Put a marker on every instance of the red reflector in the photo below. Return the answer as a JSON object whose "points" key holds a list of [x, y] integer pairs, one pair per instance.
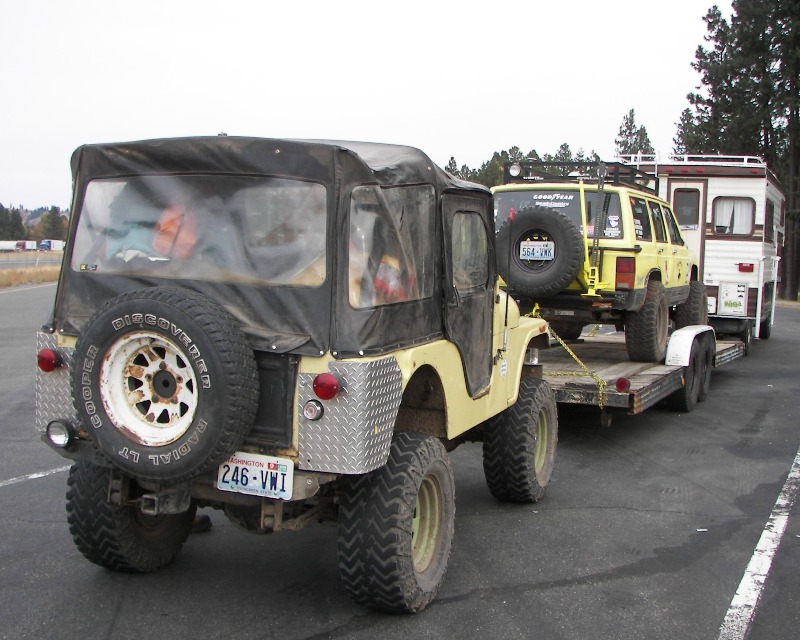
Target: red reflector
{"points": [[48, 360], [670, 169], [623, 385], [326, 386], [746, 267]]}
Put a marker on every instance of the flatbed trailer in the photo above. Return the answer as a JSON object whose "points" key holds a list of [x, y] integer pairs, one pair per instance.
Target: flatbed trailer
{"points": [[632, 386]]}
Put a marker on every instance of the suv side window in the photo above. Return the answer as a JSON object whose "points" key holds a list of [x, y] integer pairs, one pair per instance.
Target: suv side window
{"points": [[658, 221], [470, 252], [734, 216], [392, 237], [674, 230], [641, 219]]}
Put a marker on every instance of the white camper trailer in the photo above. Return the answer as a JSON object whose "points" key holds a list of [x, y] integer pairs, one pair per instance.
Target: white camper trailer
{"points": [[731, 213]]}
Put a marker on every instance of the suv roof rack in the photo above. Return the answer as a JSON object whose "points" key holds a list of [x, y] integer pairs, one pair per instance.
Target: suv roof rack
{"points": [[618, 173]]}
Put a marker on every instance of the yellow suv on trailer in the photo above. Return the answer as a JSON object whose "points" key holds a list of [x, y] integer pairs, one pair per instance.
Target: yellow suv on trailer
{"points": [[591, 244]]}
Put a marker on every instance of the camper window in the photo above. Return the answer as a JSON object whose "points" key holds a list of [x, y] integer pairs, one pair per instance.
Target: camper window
{"points": [[734, 216]]}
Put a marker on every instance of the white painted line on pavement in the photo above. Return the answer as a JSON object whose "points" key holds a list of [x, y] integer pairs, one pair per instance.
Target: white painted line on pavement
{"points": [[31, 476], [745, 602], [27, 288]]}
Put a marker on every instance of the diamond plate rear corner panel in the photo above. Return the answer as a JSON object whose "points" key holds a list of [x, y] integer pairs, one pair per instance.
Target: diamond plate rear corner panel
{"points": [[355, 431], [53, 389]]}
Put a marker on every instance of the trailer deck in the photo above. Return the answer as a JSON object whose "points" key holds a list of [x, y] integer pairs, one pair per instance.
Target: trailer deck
{"points": [[606, 357]]}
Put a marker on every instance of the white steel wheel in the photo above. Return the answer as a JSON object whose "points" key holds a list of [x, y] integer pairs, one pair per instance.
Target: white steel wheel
{"points": [[149, 390]]}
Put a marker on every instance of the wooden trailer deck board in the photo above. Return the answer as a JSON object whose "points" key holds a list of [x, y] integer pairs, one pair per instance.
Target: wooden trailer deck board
{"points": [[606, 357]]}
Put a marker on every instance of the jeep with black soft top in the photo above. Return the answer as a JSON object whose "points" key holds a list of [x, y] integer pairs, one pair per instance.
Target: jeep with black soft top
{"points": [[590, 243], [287, 332]]}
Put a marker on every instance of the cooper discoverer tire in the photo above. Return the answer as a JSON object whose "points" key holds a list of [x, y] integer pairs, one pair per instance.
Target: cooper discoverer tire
{"points": [[646, 330], [165, 383], [539, 277], [396, 527], [120, 538], [519, 445]]}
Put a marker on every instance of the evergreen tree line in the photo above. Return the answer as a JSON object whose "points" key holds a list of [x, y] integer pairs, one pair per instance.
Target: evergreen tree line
{"points": [[748, 102], [52, 224]]}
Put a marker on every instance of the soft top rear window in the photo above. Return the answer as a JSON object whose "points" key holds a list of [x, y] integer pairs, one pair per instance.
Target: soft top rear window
{"points": [[213, 227], [567, 201]]}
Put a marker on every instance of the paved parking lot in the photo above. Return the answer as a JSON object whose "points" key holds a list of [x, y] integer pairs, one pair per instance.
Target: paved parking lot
{"points": [[647, 531]]}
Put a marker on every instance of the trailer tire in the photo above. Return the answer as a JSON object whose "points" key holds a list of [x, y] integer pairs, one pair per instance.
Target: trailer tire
{"points": [[694, 310], [539, 277], [167, 385], [646, 330], [706, 367], [746, 336], [519, 445], [685, 398], [120, 538], [396, 527]]}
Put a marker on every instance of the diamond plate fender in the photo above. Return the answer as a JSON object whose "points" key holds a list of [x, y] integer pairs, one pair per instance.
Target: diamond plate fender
{"points": [[53, 390], [355, 431]]}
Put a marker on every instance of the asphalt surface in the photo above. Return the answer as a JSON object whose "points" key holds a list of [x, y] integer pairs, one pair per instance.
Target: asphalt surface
{"points": [[647, 531]]}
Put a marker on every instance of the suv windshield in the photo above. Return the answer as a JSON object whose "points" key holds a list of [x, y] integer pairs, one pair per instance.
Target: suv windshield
{"points": [[215, 226], [568, 201]]}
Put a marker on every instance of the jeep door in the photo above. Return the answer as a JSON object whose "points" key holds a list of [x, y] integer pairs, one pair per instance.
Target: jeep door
{"points": [[469, 278]]}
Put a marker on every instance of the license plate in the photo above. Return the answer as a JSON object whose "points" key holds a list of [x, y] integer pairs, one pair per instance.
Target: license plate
{"points": [[536, 250], [257, 475]]}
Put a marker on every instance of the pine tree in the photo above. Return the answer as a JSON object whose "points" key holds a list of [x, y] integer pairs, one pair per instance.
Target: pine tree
{"points": [[632, 139]]}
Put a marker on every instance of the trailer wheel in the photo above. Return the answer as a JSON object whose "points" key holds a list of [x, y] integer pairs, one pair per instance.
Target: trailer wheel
{"points": [[706, 367], [168, 386], [746, 336], [120, 538], [539, 277], [646, 329], [685, 398], [519, 446], [396, 527], [694, 310]]}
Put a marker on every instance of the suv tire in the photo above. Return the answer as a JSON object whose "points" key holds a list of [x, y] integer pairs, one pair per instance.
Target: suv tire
{"points": [[539, 277], [120, 538], [396, 527], [694, 310], [167, 385], [519, 445], [646, 330]]}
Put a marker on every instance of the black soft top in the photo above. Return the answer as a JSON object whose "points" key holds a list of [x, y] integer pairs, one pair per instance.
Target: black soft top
{"points": [[278, 319]]}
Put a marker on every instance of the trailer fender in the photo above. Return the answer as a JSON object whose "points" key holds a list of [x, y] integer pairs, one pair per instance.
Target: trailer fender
{"points": [[680, 343]]}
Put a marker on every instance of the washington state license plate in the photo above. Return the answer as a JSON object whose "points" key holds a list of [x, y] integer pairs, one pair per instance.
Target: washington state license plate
{"points": [[257, 475], [536, 250]]}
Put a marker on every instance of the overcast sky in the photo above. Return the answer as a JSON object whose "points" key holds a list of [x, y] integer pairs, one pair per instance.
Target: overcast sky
{"points": [[461, 79]]}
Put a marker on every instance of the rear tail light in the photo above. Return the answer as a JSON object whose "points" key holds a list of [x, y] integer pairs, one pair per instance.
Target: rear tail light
{"points": [[326, 386], [48, 360], [626, 273], [746, 267], [623, 385]]}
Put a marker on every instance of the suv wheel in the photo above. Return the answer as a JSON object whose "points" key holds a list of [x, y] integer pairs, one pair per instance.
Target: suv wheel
{"points": [[566, 330], [519, 445], [167, 386], [646, 330], [396, 527], [539, 277], [120, 538], [695, 309]]}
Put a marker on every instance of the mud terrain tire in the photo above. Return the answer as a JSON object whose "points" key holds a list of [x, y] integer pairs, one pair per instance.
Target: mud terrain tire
{"points": [[396, 527], [695, 309], [119, 538], [519, 446], [165, 383], [646, 330], [539, 278]]}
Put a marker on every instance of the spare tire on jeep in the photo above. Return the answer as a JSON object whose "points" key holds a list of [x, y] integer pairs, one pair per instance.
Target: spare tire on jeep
{"points": [[539, 251], [165, 383]]}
